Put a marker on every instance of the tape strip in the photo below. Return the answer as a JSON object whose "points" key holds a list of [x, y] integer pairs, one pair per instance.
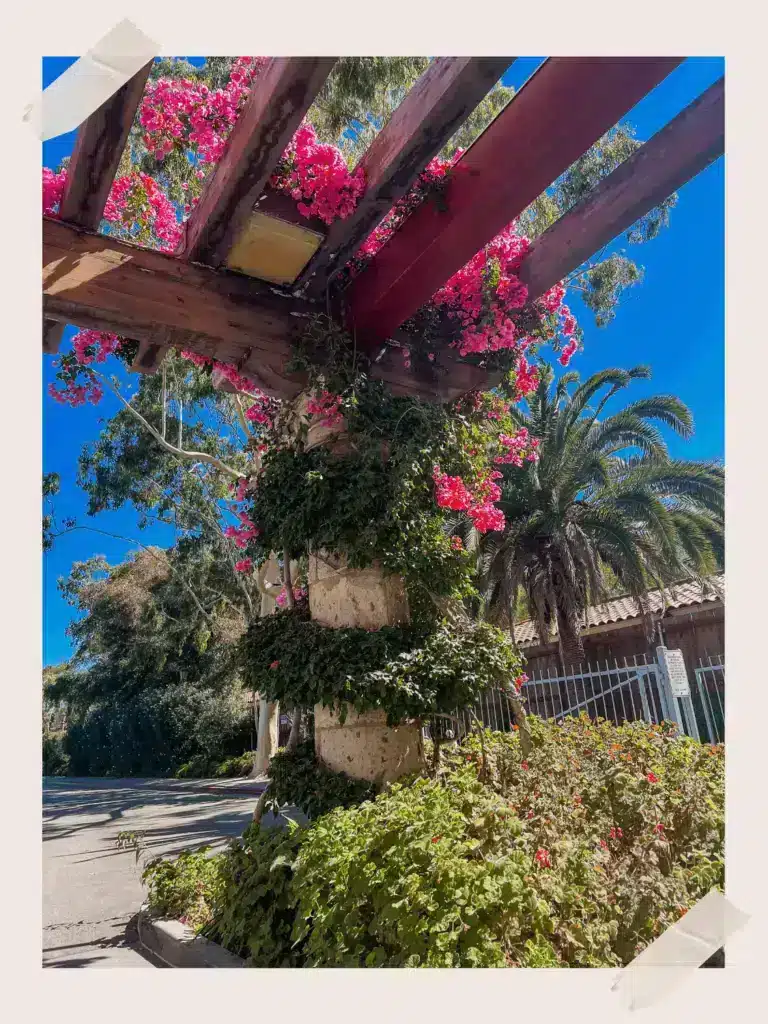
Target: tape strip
{"points": [[682, 948], [90, 81]]}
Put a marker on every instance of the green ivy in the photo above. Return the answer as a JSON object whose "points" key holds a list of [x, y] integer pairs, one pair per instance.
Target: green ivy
{"points": [[298, 778], [410, 674]]}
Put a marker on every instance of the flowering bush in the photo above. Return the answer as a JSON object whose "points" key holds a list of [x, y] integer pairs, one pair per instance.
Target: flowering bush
{"points": [[552, 861]]}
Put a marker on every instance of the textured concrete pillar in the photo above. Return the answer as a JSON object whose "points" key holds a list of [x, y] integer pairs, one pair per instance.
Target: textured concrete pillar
{"points": [[364, 746]]}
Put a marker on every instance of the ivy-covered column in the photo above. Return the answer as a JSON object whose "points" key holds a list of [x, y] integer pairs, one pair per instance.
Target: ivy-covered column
{"points": [[361, 488]]}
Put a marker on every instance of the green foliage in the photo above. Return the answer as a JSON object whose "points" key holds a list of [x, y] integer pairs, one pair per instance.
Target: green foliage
{"points": [[299, 779], [577, 855], [56, 760], [185, 888], [156, 731], [474, 125], [255, 905], [291, 659], [203, 766]]}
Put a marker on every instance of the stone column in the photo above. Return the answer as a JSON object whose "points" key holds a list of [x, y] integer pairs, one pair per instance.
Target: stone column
{"points": [[364, 746]]}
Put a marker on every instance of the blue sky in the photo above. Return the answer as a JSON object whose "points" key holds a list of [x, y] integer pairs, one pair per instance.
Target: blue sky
{"points": [[673, 321]]}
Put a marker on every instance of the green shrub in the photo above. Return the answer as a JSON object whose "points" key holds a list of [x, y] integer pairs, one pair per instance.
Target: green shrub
{"points": [[186, 888], [298, 778], [579, 854], [55, 757], [255, 906], [235, 767]]}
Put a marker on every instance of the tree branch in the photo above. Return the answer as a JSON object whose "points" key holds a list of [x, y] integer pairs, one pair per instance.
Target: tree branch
{"points": [[179, 452]]}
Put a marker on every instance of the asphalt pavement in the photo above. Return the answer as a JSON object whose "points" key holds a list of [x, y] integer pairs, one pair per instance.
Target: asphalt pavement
{"points": [[91, 889]]}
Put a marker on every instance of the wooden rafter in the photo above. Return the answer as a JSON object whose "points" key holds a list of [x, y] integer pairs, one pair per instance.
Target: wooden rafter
{"points": [[683, 148], [271, 115], [149, 356], [52, 335], [429, 114], [98, 147], [95, 281], [557, 115]]}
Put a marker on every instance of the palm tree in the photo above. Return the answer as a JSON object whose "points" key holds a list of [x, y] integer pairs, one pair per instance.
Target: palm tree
{"points": [[604, 500]]}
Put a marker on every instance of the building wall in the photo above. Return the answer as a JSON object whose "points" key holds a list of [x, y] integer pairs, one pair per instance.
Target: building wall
{"points": [[698, 632]]}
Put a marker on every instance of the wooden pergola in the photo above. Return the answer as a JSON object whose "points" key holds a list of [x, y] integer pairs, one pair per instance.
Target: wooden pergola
{"points": [[192, 300]]}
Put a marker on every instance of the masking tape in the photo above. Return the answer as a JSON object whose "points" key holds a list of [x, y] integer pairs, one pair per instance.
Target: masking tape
{"points": [[683, 947], [90, 81]]}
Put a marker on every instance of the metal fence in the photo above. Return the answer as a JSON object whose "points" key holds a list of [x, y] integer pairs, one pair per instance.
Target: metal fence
{"points": [[633, 690]]}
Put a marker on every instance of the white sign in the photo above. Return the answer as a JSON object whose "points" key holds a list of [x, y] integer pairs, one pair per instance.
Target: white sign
{"points": [[673, 665]]}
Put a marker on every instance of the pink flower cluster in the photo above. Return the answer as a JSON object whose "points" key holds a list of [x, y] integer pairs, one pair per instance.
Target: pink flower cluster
{"points": [[315, 174], [518, 448], [243, 533], [240, 489], [527, 378], [262, 411], [299, 594], [188, 116], [77, 394], [482, 308], [244, 565], [452, 492], [53, 189], [136, 207], [94, 346], [326, 405]]}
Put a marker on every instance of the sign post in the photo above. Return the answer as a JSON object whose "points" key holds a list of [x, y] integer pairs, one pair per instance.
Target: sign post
{"points": [[676, 691]]}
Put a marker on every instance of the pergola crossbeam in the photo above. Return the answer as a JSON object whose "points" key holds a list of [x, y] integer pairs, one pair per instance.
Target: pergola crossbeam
{"points": [[558, 114]]}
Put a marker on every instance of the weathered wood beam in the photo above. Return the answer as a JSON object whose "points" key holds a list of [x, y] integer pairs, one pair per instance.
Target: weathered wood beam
{"points": [[683, 148], [429, 114], [52, 335], [149, 356], [98, 147], [271, 115], [557, 115], [99, 282]]}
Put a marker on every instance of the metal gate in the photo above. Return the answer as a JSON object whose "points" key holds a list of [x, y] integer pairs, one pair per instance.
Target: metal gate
{"points": [[634, 690]]}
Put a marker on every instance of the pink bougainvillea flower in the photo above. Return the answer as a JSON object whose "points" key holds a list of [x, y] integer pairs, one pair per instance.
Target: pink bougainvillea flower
{"points": [[275, 664], [244, 565]]}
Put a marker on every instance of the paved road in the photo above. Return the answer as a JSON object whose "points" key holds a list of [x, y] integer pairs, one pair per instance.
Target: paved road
{"points": [[92, 890]]}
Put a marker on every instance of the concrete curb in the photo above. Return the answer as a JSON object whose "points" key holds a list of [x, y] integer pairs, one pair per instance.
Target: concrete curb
{"points": [[177, 945]]}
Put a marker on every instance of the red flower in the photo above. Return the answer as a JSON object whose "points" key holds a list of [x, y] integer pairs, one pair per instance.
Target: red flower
{"points": [[659, 828], [274, 664], [604, 844], [616, 833], [524, 766], [542, 857], [651, 777], [436, 839]]}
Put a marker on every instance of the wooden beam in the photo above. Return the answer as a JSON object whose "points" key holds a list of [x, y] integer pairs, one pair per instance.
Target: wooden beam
{"points": [[557, 115], [429, 114], [271, 115], [149, 356], [683, 148], [160, 300], [98, 147], [52, 335]]}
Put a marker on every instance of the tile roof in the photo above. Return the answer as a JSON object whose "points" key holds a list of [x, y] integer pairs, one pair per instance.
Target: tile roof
{"points": [[621, 609]]}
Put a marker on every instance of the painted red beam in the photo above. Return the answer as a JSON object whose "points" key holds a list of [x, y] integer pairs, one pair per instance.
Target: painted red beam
{"points": [[683, 148], [429, 114], [99, 144], [272, 113], [557, 115]]}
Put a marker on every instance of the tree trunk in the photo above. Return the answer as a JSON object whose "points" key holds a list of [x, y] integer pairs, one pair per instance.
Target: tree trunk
{"points": [[569, 640], [293, 739]]}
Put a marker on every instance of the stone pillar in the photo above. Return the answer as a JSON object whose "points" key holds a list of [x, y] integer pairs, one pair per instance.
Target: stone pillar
{"points": [[267, 735], [364, 746]]}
